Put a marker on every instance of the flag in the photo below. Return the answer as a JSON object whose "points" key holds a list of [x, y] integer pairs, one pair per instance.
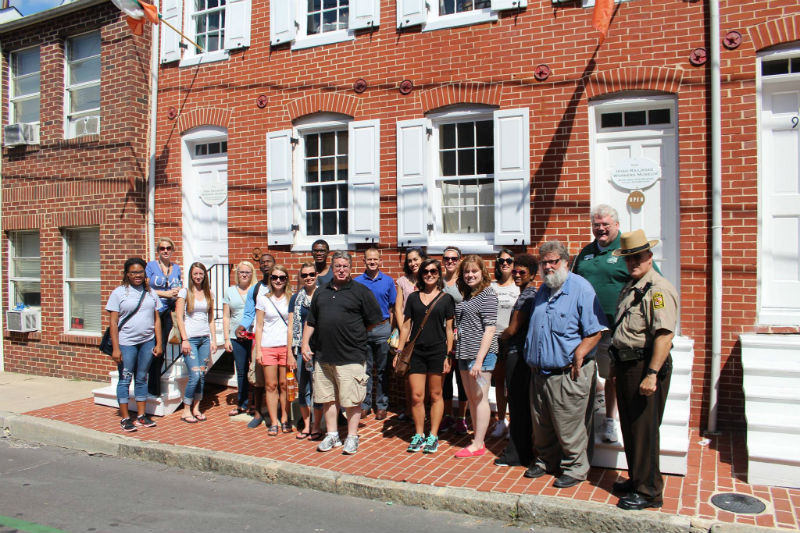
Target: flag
{"points": [[601, 17], [138, 13]]}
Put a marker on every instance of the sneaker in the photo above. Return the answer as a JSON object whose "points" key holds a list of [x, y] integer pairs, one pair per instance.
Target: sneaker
{"points": [[431, 444], [447, 423], [417, 441], [145, 421], [461, 426], [609, 430], [350, 445], [330, 442], [127, 425], [500, 429]]}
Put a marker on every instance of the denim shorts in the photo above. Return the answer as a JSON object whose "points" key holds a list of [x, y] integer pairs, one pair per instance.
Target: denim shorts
{"points": [[488, 363]]}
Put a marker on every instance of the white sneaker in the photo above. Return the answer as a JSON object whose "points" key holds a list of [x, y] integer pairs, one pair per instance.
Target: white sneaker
{"points": [[330, 442], [500, 429], [609, 430], [350, 445]]}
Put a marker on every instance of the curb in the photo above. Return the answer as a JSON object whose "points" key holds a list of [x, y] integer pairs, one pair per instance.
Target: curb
{"points": [[537, 511]]}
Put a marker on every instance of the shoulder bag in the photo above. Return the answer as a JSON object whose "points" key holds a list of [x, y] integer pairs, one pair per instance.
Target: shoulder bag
{"points": [[404, 358], [106, 346]]}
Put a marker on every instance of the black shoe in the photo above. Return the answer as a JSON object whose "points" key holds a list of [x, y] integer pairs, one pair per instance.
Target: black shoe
{"points": [[636, 502], [566, 481], [145, 421], [623, 487], [534, 471], [502, 461], [127, 425]]}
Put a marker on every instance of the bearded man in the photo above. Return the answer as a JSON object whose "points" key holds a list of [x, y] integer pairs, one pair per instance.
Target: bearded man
{"points": [[566, 324]]}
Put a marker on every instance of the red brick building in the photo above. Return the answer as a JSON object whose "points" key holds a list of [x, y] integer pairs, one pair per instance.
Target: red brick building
{"points": [[75, 98]]}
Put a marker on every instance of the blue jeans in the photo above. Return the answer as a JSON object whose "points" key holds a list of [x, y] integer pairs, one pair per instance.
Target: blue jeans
{"points": [[488, 363], [196, 364], [304, 378], [241, 354], [377, 357], [135, 364]]}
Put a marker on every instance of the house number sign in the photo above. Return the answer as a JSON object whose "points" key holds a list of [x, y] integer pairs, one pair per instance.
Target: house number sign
{"points": [[214, 194], [636, 173]]}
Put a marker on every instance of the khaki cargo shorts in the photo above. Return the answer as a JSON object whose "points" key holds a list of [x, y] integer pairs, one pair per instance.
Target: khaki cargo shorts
{"points": [[346, 384]]}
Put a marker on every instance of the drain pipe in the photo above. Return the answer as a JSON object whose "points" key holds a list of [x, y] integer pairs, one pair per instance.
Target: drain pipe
{"points": [[151, 142], [2, 310], [716, 218]]}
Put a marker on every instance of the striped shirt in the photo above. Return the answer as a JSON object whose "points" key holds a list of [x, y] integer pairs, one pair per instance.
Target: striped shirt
{"points": [[473, 316]]}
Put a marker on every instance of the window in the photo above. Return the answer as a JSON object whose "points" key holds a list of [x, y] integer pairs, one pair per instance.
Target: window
{"points": [[82, 280], [463, 178], [438, 14], [24, 86], [83, 85], [639, 117], [307, 23], [24, 269], [322, 181], [217, 26]]}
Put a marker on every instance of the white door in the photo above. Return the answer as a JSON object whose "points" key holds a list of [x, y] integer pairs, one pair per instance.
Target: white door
{"points": [[640, 133], [779, 268]]}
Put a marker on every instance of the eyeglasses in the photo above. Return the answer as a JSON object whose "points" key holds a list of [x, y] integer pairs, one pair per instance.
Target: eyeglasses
{"points": [[516, 272], [163, 248], [245, 273], [450, 259], [553, 262], [505, 260], [278, 278], [308, 275], [430, 271], [136, 272]]}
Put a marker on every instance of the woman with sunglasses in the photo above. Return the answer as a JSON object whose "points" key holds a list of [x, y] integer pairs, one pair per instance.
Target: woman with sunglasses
{"points": [[407, 285], [139, 340], [451, 256], [233, 303], [195, 317], [298, 312], [507, 293], [272, 333], [476, 349], [429, 361], [164, 277]]}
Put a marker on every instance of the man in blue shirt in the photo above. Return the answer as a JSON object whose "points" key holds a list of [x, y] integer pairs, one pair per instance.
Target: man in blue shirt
{"points": [[566, 324], [382, 286]]}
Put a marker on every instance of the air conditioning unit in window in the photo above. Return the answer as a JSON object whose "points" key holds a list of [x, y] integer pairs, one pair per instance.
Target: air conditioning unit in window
{"points": [[24, 321], [18, 134], [87, 126]]}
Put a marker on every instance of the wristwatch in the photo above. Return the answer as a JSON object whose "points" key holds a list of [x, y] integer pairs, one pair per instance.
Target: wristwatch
{"points": [[651, 372]]}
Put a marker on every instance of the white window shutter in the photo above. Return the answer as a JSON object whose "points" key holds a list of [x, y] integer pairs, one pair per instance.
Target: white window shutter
{"points": [[512, 177], [237, 24], [171, 12], [282, 27], [500, 5], [365, 14], [363, 181], [413, 213], [279, 188], [410, 13]]}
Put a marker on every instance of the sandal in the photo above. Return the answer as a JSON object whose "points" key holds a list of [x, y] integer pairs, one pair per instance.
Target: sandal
{"points": [[315, 435], [189, 419], [272, 431], [236, 411], [302, 435], [286, 427], [201, 417]]}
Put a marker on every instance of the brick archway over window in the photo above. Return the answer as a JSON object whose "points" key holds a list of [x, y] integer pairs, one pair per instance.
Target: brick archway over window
{"points": [[461, 93], [207, 116], [660, 79], [323, 103], [777, 31]]}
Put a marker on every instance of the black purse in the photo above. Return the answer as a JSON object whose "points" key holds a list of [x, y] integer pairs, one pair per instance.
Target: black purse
{"points": [[106, 346]]}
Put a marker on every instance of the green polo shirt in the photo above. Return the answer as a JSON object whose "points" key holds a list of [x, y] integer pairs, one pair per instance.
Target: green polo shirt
{"points": [[607, 273]]}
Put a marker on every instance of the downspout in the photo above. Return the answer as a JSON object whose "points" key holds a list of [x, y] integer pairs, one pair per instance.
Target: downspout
{"points": [[716, 218], [2, 311], [151, 173]]}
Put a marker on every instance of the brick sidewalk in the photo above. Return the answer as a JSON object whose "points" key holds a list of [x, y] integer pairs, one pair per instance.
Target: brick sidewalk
{"points": [[718, 467]]}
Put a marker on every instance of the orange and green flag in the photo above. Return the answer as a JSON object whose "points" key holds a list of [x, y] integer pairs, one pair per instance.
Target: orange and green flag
{"points": [[601, 17], [138, 13]]}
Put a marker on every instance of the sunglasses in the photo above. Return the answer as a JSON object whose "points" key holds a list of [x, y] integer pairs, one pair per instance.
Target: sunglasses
{"points": [[163, 248], [278, 278], [450, 259], [430, 271], [308, 275], [516, 272], [505, 260]]}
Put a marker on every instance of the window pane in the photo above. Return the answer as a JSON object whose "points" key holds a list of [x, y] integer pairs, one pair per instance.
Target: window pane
{"points": [[27, 293], [213, 21], [343, 222], [312, 170], [328, 143], [84, 306], [447, 7], [329, 4], [450, 193], [343, 17], [313, 24], [311, 145], [484, 133], [199, 5], [775, 67], [795, 65], [480, 4], [84, 253], [27, 111], [26, 244], [635, 118], [447, 136], [312, 223], [469, 220], [341, 164], [465, 134], [84, 46], [448, 163], [486, 219], [213, 43], [658, 116], [26, 62], [328, 165], [341, 137], [329, 197], [26, 85], [27, 267], [314, 5], [200, 25], [329, 223], [485, 158], [312, 198], [85, 71], [450, 220], [611, 120], [85, 99], [466, 162]]}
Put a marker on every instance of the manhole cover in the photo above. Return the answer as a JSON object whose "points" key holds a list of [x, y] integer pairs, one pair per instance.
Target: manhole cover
{"points": [[738, 503]]}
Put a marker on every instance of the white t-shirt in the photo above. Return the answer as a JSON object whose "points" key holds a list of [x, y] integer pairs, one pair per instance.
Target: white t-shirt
{"points": [[141, 326], [276, 330], [196, 322], [506, 298]]}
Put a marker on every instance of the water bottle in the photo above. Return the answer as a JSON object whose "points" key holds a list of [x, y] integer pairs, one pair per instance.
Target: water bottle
{"points": [[481, 381], [291, 386]]}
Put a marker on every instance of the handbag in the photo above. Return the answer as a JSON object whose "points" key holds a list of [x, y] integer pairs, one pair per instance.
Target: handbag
{"points": [[106, 346], [404, 359]]}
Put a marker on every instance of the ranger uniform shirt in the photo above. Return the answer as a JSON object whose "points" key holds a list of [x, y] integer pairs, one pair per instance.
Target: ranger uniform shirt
{"points": [[658, 310]]}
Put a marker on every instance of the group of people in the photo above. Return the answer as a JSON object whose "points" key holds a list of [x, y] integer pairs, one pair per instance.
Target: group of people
{"points": [[609, 309]]}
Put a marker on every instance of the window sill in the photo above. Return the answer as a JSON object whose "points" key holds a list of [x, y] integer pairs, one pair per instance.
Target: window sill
{"points": [[79, 141], [88, 339], [330, 37], [460, 19], [23, 337], [210, 57]]}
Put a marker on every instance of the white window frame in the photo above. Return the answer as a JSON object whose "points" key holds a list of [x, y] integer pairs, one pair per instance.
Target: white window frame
{"points": [[304, 40], [69, 128], [288, 23], [13, 279], [67, 280], [426, 13], [12, 77], [190, 54]]}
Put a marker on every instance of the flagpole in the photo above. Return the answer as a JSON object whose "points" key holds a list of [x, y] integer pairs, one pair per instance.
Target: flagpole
{"points": [[176, 30]]}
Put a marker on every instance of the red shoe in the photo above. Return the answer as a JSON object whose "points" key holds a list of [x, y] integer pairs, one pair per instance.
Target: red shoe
{"points": [[464, 452]]}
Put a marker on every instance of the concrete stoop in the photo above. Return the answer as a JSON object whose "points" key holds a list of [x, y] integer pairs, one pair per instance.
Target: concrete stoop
{"points": [[533, 511]]}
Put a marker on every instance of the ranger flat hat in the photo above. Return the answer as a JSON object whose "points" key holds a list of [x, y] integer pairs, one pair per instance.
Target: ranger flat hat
{"points": [[633, 242]]}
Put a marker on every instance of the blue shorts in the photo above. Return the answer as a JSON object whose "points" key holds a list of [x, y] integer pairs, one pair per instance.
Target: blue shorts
{"points": [[488, 363]]}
